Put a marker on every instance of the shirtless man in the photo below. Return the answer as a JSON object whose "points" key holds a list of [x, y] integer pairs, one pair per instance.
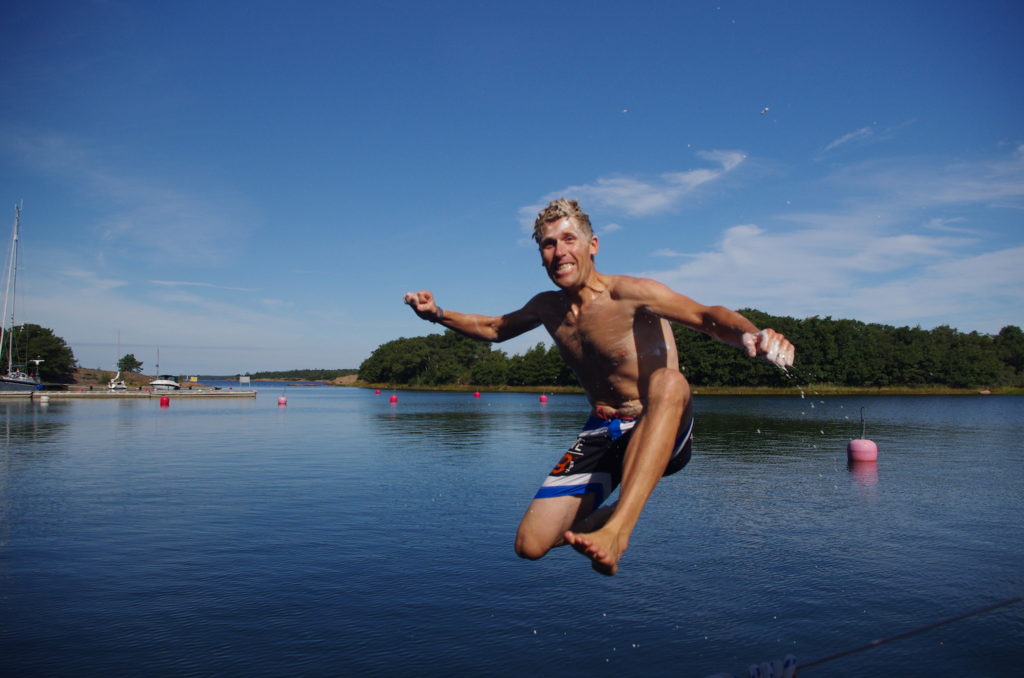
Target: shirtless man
{"points": [[613, 331]]}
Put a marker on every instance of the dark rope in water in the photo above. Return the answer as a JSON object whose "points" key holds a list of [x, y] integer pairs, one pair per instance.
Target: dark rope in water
{"points": [[912, 632]]}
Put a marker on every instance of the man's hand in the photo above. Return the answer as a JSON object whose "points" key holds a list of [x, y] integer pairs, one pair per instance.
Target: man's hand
{"points": [[772, 345], [423, 304]]}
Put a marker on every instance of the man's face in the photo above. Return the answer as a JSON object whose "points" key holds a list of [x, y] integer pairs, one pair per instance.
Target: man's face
{"points": [[566, 253]]}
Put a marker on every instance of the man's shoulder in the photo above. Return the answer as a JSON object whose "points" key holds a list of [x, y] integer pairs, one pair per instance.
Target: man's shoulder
{"points": [[545, 300], [631, 287]]}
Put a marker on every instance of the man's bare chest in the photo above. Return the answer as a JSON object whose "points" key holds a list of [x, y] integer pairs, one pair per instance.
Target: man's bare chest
{"points": [[592, 333]]}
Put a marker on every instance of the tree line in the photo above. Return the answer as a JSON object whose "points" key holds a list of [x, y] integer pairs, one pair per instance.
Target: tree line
{"points": [[303, 375], [829, 351]]}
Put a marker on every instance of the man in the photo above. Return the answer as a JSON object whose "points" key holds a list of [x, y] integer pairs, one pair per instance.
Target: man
{"points": [[614, 332]]}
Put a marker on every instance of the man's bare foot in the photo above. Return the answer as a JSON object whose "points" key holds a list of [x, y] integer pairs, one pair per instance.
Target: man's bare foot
{"points": [[603, 549]]}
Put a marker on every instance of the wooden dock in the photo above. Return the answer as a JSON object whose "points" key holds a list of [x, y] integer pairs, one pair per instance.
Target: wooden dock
{"points": [[106, 394]]}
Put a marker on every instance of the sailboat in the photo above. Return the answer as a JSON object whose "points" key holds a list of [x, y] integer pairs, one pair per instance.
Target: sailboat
{"points": [[117, 383], [16, 379]]}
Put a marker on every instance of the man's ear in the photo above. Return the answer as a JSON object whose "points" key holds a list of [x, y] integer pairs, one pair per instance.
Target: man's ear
{"points": [[595, 245]]}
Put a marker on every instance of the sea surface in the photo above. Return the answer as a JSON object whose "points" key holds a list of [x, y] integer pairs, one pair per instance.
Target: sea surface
{"points": [[345, 535]]}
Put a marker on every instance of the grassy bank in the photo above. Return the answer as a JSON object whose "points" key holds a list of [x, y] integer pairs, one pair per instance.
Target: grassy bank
{"points": [[816, 389]]}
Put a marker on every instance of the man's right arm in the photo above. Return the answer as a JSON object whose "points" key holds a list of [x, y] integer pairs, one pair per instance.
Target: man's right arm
{"points": [[473, 325]]}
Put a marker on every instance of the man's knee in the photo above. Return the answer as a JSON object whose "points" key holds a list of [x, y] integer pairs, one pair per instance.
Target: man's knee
{"points": [[669, 387], [530, 547]]}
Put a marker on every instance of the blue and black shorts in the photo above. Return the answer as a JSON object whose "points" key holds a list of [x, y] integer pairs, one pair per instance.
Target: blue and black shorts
{"points": [[594, 462]]}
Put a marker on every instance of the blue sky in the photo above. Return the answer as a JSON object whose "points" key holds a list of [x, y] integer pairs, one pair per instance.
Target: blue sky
{"points": [[254, 185]]}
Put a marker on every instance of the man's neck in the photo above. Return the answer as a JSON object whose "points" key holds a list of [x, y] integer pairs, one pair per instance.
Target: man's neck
{"points": [[592, 288]]}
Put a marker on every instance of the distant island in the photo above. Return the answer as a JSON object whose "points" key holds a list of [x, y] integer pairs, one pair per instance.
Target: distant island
{"points": [[833, 355], [338, 377]]}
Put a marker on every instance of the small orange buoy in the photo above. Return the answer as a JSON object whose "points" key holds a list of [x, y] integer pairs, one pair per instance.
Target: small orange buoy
{"points": [[393, 399], [282, 402], [543, 398], [165, 401]]}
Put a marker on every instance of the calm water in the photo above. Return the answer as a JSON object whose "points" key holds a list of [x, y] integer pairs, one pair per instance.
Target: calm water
{"points": [[342, 535]]}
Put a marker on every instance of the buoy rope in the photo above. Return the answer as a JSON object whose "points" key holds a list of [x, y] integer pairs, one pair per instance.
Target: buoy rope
{"points": [[912, 632]]}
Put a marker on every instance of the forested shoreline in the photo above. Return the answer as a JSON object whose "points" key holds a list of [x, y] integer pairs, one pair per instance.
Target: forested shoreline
{"points": [[842, 353], [302, 375]]}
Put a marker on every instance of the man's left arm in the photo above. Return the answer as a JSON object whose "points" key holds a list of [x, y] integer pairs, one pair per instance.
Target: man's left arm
{"points": [[722, 323]]}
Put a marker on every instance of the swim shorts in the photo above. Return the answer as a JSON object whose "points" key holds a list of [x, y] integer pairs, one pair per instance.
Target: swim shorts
{"points": [[594, 462]]}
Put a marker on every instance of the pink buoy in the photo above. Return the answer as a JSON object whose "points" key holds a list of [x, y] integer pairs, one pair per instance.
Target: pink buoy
{"points": [[476, 394], [165, 401], [393, 399], [282, 402], [543, 398], [377, 392], [862, 449]]}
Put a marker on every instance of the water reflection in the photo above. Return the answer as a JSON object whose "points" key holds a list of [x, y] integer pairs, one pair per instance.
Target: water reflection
{"points": [[27, 422], [454, 424], [864, 473]]}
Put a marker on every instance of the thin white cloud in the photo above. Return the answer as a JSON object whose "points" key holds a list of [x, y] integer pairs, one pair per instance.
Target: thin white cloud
{"points": [[946, 225], [145, 214], [861, 134], [868, 134], [181, 283], [888, 256], [91, 281], [637, 197]]}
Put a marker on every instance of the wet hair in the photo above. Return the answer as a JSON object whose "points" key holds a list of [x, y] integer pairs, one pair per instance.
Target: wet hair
{"points": [[558, 209]]}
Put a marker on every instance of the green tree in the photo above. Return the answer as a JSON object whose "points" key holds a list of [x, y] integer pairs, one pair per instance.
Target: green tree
{"points": [[533, 368], [432, 360], [129, 364], [1009, 345], [491, 370], [31, 343]]}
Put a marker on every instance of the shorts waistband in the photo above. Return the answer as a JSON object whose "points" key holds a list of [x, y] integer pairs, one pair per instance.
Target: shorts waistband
{"points": [[613, 428]]}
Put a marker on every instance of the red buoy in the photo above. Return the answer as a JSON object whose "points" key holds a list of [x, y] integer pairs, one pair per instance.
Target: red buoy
{"points": [[282, 402], [543, 398], [476, 394], [393, 399], [377, 392], [165, 401]]}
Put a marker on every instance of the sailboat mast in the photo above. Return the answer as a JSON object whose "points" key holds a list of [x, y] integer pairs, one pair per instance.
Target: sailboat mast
{"points": [[12, 267]]}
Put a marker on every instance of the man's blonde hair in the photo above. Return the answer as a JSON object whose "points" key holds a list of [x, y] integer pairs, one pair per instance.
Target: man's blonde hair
{"points": [[558, 209]]}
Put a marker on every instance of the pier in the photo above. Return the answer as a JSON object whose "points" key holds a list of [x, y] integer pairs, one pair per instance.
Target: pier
{"points": [[105, 394]]}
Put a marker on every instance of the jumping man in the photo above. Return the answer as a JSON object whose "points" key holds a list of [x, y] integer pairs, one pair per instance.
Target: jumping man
{"points": [[613, 331]]}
